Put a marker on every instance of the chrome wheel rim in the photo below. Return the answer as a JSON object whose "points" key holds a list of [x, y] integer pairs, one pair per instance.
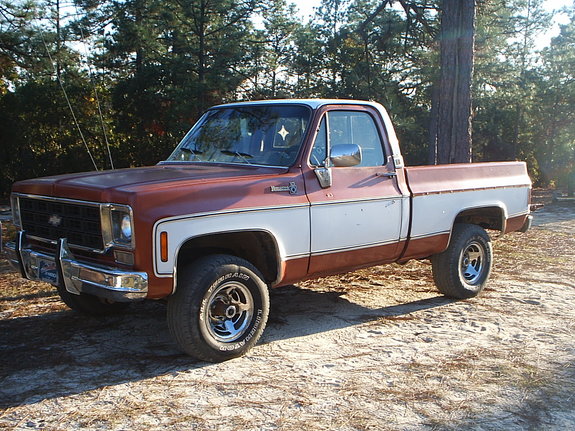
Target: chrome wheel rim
{"points": [[472, 263], [229, 312]]}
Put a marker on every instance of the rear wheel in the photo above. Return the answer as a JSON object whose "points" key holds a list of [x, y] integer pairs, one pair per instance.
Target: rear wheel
{"points": [[220, 308], [90, 304], [462, 270]]}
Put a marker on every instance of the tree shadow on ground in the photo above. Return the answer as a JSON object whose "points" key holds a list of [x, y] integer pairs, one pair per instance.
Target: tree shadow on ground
{"points": [[555, 212], [64, 353]]}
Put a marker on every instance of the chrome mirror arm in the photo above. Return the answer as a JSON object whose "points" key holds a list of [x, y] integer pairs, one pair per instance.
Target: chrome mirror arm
{"points": [[324, 177]]}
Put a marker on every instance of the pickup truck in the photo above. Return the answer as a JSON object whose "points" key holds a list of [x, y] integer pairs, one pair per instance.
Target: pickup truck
{"points": [[260, 195]]}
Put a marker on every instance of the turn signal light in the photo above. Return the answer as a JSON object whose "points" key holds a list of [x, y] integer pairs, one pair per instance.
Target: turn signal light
{"points": [[164, 246]]}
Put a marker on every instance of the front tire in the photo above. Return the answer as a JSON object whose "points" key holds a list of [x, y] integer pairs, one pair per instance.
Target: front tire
{"points": [[220, 308], [463, 269]]}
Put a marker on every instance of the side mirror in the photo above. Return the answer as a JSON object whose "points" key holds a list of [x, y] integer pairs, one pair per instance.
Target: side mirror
{"points": [[345, 155]]}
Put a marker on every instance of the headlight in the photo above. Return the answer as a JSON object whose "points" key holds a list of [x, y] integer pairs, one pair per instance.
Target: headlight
{"points": [[122, 230], [126, 227], [15, 204]]}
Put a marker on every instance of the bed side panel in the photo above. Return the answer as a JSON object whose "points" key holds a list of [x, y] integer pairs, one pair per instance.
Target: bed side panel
{"points": [[441, 193]]}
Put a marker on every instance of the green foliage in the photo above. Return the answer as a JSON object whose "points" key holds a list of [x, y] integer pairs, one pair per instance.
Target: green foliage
{"points": [[522, 98], [39, 136], [153, 66], [554, 107]]}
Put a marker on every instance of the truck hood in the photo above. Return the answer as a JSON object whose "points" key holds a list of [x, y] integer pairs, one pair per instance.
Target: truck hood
{"points": [[118, 185]]}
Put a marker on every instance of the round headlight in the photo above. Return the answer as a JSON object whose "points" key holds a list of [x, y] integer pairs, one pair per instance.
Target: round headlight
{"points": [[126, 227]]}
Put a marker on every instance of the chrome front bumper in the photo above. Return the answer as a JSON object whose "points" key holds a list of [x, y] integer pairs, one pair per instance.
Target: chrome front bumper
{"points": [[62, 269]]}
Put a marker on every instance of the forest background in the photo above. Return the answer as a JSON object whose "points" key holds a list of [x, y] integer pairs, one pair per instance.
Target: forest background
{"points": [[106, 84]]}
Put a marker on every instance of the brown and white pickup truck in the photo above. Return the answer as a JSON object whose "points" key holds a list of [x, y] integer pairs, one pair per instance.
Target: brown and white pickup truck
{"points": [[259, 195]]}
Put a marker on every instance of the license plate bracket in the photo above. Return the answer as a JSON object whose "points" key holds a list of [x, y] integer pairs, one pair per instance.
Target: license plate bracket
{"points": [[48, 271]]}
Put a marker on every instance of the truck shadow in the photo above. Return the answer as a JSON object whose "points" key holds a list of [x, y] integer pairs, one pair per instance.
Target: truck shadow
{"points": [[297, 312], [63, 353]]}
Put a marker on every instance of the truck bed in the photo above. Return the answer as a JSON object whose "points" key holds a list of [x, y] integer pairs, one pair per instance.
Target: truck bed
{"points": [[493, 195]]}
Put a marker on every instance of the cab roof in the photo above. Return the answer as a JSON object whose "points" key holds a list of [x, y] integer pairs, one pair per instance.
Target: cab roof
{"points": [[312, 103]]}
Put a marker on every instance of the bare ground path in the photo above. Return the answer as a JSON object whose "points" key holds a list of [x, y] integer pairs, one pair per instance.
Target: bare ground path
{"points": [[376, 349]]}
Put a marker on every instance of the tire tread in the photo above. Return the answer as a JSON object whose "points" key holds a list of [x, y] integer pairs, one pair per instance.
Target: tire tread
{"points": [[187, 296], [445, 265]]}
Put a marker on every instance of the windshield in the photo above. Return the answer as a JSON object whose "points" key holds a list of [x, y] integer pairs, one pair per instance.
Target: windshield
{"points": [[253, 135]]}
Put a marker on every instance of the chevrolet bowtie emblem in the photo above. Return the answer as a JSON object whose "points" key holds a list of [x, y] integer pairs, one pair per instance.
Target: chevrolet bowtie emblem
{"points": [[55, 220]]}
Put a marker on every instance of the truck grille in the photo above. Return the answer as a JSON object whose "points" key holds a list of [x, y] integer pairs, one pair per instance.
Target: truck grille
{"points": [[54, 219]]}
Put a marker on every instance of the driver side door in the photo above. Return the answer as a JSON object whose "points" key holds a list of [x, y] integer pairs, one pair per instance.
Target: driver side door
{"points": [[356, 222]]}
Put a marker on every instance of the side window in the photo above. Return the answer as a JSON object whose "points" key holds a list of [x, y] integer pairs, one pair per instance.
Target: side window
{"points": [[349, 127]]}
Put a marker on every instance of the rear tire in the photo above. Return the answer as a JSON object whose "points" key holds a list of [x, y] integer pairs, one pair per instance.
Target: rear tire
{"points": [[220, 308], [90, 304], [463, 269]]}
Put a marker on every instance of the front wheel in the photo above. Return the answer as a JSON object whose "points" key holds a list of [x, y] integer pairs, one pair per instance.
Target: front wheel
{"points": [[220, 308], [462, 270]]}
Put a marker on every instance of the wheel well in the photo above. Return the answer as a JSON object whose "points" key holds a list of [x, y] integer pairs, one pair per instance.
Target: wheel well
{"points": [[487, 218], [258, 248]]}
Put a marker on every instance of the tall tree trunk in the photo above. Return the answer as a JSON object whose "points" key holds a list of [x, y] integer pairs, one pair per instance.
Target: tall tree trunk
{"points": [[58, 41], [519, 108], [433, 124], [453, 113], [202, 30]]}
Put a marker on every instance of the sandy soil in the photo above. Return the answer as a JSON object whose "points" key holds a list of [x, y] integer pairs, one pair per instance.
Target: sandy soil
{"points": [[377, 349]]}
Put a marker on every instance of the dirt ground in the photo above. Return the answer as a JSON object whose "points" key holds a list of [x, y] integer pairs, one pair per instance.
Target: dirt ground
{"points": [[377, 349]]}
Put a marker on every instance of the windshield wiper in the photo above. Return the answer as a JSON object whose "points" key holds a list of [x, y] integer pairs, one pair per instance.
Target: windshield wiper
{"points": [[194, 152], [244, 156]]}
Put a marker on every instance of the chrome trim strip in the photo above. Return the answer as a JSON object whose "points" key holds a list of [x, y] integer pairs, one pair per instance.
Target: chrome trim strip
{"points": [[18, 250], [178, 162], [429, 235], [362, 200], [366, 246], [74, 246], [473, 189], [53, 198], [227, 212], [15, 209], [296, 256], [108, 228], [11, 255], [355, 247], [64, 274]]}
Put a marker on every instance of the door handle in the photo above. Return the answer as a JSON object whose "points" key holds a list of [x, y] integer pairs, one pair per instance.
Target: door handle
{"points": [[386, 174]]}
